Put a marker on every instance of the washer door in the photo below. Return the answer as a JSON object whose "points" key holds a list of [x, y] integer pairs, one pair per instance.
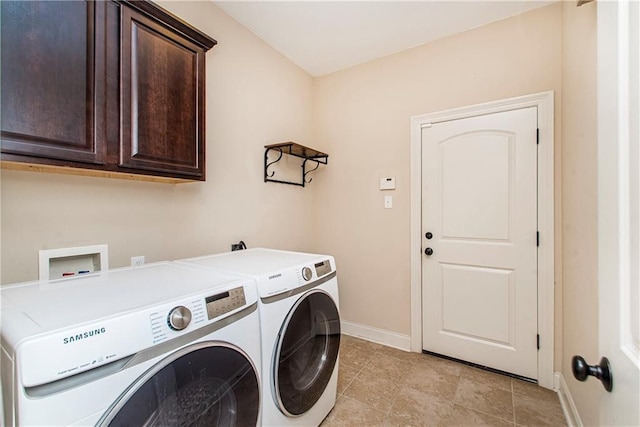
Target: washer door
{"points": [[306, 353], [205, 384]]}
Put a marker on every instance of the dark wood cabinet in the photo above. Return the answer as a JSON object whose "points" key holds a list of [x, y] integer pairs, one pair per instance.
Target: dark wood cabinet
{"points": [[119, 88], [53, 80], [162, 82]]}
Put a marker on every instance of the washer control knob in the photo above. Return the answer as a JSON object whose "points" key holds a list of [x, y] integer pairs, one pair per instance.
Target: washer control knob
{"points": [[307, 274], [179, 318]]}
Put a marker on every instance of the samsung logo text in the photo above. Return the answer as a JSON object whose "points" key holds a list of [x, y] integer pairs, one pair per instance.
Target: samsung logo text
{"points": [[83, 335]]}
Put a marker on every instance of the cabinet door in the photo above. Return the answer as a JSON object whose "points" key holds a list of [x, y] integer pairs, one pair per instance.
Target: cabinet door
{"points": [[162, 110], [53, 80]]}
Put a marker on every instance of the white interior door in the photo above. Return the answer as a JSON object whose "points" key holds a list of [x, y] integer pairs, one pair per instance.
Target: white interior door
{"points": [[479, 202], [619, 207]]}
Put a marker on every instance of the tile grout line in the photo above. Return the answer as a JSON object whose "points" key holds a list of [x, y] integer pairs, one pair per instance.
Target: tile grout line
{"points": [[380, 351], [401, 385], [356, 399], [513, 403], [352, 379], [386, 413], [357, 374], [481, 411], [463, 405]]}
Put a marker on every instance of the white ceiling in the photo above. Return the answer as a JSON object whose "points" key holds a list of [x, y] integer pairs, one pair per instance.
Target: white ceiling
{"points": [[326, 36]]}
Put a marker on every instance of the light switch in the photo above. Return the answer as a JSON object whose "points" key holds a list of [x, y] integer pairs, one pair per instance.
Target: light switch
{"points": [[388, 183], [388, 202]]}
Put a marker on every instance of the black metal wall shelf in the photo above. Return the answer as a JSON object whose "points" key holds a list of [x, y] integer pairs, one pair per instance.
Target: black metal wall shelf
{"points": [[297, 150]]}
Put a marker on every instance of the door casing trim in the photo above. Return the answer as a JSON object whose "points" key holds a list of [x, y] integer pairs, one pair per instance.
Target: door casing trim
{"points": [[544, 102]]}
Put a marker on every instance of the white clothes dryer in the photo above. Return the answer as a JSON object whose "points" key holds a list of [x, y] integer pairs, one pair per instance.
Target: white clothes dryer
{"points": [[157, 345], [300, 324]]}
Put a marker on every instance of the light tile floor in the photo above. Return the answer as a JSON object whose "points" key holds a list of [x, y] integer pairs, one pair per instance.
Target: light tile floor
{"points": [[382, 386]]}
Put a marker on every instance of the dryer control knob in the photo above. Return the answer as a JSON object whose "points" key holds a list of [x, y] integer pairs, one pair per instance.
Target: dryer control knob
{"points": [[307, 274], [179, 318]]}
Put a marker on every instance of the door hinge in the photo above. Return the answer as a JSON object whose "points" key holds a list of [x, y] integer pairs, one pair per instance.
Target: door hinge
{"points": [[538, 341], [537, 238], [537, 136]]}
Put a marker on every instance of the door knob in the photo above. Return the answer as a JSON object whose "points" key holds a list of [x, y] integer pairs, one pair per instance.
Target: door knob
{"points": [[428, 251], [602, 371], [429, 235]]}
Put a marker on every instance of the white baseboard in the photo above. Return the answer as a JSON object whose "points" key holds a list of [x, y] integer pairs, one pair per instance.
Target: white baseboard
{"points": [[380, 336], [568, 406]]}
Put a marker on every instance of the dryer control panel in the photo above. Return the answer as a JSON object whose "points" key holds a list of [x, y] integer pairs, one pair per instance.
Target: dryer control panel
{"points": [[305, 275], [225, 302], [323, 268]]}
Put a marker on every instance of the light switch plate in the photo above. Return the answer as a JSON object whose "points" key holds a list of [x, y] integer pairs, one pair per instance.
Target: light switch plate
{"points": [[388, 202]]}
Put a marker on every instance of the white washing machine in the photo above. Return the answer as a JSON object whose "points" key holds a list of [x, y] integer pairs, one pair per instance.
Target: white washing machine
{"points": [[300, 324], [157, 345]]}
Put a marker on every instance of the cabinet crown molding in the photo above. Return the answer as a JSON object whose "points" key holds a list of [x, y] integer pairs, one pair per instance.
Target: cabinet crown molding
{"points": [[153, 10]]}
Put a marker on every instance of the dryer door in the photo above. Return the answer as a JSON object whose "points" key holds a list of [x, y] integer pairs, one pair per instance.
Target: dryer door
{"points": [[205, 384], [306, 353]]}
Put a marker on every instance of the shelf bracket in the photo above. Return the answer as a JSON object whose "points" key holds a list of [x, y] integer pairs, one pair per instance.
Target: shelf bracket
{"points": [[266, 165], [296, 150], [306, 172]]}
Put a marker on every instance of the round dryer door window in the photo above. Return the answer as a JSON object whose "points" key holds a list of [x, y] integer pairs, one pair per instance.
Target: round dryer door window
{"points": [[307, 353], [206, 384]]}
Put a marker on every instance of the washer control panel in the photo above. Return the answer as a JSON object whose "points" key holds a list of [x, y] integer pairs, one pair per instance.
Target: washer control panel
{"points": [[166, 321], [224, 302], [83, 347], [179, 318]]}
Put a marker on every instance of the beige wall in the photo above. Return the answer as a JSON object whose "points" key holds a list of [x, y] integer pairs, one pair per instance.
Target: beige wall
{"points": [[579, 202], [362, 118], [255, 97]]}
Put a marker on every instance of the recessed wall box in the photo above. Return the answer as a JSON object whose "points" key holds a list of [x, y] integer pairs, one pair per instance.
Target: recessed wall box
{"points": [[63, 262], [388, 183]]}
